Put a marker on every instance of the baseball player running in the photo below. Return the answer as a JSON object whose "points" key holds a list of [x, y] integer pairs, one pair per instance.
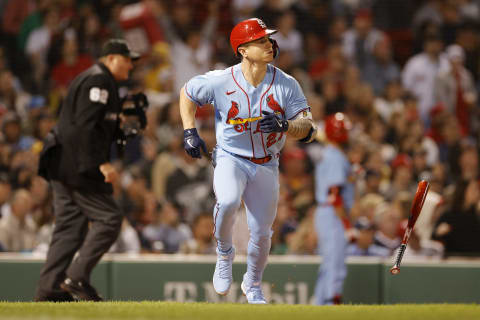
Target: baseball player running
{"points": [[334, 195], [256, 105]]}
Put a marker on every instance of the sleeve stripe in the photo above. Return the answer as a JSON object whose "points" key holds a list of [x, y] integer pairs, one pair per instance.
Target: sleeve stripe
{"points": [[191, 98], [296, 114]]}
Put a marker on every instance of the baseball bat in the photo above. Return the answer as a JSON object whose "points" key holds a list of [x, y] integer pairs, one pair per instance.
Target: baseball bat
{"points": [[418, 200]]}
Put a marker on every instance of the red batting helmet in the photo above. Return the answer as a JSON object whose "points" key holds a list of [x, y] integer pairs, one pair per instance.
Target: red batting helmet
{"points": [[336, 127], [248, 30]]}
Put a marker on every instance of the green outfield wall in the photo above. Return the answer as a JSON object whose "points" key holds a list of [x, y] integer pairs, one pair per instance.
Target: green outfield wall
{"points": [[287, 279]]}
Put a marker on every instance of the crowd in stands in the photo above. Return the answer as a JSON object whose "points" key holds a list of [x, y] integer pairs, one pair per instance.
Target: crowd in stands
{"points": [[406, 72]]}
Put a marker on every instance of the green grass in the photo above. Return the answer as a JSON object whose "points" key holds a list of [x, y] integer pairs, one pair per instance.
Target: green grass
{"points": [[210, 311]]}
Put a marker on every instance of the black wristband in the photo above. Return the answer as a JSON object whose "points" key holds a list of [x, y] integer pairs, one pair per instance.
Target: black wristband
{"points": [[309, 135]]}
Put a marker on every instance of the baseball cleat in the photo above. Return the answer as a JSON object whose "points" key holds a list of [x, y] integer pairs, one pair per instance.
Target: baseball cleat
{"points": [[222, 277], [254, 294]]}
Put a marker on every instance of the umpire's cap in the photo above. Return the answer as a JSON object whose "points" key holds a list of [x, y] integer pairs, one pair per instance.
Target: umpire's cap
{"points": [[118, 46]]}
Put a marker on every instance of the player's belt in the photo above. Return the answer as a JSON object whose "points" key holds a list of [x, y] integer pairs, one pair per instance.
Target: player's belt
{"points": [[258, 160]]}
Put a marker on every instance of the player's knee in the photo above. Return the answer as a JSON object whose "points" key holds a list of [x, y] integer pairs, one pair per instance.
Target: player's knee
{"points": [[261, 236], [229, 205], [113, 225]]}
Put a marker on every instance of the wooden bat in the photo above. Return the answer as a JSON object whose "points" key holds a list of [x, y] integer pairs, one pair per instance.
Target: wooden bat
{"points": [[417, 206]]}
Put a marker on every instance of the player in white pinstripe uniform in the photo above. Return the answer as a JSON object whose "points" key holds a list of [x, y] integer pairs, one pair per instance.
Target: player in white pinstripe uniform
{"points": [[256, 106]]}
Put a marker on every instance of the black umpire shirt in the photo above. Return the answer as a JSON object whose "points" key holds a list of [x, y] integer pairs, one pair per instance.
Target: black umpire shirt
{"points": [[87, 127]]}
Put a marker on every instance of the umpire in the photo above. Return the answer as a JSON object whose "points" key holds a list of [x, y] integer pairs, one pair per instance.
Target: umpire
{"points": [[75, 159]]}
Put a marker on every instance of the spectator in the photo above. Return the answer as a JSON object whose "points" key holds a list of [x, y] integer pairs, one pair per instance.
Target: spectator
{"points": [[380, 69], [71, 64], [389, 101], [419, 74], [359, 42], [127, 241], [387, 218], [18, 230], [364, 241], [288, 38], [193, 51], [454, 88], [167, 234], [459, 227], [202, 241]]}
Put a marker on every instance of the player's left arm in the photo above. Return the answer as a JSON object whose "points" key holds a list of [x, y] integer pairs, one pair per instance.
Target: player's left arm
{"points": [[302, 127], [300, 123], [300, 120]]}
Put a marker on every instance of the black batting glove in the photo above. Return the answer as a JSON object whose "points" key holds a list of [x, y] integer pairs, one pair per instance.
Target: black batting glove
{"points": [[272, 123], [192, 143]]}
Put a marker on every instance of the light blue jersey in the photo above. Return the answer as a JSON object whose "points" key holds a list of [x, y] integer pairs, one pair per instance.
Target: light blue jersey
{"points": [[332, 170], [238, 110], [235, 99]]}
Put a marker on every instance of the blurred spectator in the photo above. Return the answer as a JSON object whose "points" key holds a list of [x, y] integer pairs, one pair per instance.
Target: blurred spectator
{"points": [[38, 45], [419, 74], [387, 218], [295, 178], [402, 174], [127, 241], [269, 10], [189, 185], [167, 233], [389, 101], [459, 227], [12, 97], [379, 69], [202, 241], [140, 25], [288, 38], [364, 241], [12, 131], [71, 64], [244, 9], [417, 248], [284, 225], [5, 191], [18, 230], [454, 88], [193, 50], [159, 70], [359, 41], [304, 240]]}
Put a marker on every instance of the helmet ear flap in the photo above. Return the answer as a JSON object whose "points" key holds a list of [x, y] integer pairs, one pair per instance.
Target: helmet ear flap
{"points": [[275, 47]]}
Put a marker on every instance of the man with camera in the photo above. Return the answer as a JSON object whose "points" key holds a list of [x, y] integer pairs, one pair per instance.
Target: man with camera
{"points": [[76, 160]]}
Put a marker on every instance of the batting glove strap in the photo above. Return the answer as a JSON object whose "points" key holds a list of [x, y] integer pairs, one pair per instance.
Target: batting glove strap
{"points": [[273, 123], [193, 143]]}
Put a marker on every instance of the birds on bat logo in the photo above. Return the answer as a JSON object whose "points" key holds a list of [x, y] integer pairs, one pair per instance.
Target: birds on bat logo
{"points": [[274, 105]]}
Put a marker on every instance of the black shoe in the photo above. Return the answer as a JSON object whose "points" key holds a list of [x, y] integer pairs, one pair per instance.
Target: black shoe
{"points": [[81, 291], [57, 296]]}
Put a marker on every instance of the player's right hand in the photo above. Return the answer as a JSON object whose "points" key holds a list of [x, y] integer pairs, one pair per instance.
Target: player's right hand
{"points": [[192, 143]]}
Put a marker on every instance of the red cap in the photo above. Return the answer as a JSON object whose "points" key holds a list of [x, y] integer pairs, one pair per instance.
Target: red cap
{"points": [[248, 30], [336, 127]]}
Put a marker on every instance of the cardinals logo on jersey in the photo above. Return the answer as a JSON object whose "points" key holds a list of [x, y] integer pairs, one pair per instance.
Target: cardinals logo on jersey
{"points": [[273, 104], [232, 112]]}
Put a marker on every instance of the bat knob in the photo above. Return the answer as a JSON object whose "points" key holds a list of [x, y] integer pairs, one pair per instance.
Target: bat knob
{"points": [[395, 270]]}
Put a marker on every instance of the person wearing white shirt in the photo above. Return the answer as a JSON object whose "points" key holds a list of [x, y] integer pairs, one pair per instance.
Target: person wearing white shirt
{"points": [[420, 72]]}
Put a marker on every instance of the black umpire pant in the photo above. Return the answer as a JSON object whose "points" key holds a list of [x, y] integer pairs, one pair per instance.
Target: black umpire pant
{"points": [[74, 210]]}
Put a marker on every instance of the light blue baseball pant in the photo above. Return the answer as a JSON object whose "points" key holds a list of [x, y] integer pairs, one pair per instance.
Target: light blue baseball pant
{"points": [[236, 178], [332, 245]]}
